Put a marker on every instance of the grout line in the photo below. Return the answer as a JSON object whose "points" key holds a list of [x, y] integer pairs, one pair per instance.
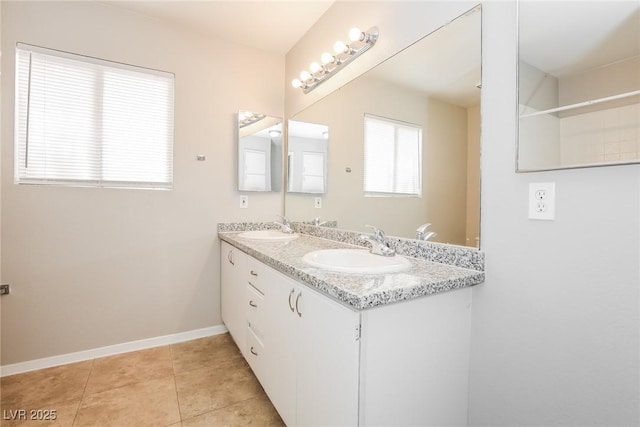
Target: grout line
{"points": [[84, 389], [175, 382]]}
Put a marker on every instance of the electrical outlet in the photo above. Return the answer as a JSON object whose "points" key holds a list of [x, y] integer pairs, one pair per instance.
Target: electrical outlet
{"points": [[542, 200], [244, 202], [318, 202]]}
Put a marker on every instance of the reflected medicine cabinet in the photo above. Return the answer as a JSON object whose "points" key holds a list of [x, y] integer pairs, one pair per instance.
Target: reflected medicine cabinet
{"points": [[259, 152], [578, 84]]}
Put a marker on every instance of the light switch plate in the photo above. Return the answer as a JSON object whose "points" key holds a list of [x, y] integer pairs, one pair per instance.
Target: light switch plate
{"points": [[542, 200], [318, 202], [244, 202]]}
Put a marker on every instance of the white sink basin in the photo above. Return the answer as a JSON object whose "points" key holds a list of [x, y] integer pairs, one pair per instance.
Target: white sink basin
{"points": [[268, 235], [355, 261]]}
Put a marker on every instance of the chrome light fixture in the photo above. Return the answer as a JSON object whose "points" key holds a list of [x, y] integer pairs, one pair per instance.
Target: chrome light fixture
{"points": [[245, 118], [330, 64], [274, 133]]}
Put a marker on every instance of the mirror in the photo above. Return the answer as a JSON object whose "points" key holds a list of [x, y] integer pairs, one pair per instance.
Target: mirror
{"points": [[433, 86], [259, 152], [307, 155], [579, 84]]}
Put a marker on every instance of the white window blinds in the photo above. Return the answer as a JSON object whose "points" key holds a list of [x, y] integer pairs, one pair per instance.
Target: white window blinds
{"points": [[86, 121], [392, 157]]}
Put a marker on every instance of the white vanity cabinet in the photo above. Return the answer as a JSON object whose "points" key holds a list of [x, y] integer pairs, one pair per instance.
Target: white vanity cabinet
{"points": [[323, 363], [232, 289], [302, 346]]}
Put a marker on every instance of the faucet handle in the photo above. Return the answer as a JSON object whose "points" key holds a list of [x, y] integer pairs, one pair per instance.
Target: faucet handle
{"points": [[285, 224], [379, 234], [423, 227], [285, 221]]}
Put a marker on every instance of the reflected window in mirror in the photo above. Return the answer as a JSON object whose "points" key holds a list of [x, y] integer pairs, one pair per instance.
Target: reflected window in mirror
{"points": [[307, 152], [579, 84], [259, 152], [392, 157]]}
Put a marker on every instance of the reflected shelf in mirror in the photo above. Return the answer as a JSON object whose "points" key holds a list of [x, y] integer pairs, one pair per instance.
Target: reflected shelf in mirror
{"points": [[579, 97]]}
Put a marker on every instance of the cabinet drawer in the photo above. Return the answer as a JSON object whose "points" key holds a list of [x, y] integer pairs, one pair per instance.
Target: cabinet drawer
{"points": [[255, 274], [255, 355], [255, 310]]}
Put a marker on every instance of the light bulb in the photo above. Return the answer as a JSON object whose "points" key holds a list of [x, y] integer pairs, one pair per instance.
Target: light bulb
{"points": [[296, 83], [274, 133], [248, 114], [339, 47], [326, 58], [315, 67], [241, 116], [305, 75], [355, 34]]}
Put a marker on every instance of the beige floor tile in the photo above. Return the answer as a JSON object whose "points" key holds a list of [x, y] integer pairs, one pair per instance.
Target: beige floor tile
{"points": [[206, 389], [147, 403], [55, 415], [45, 387], [203, 352], [257, 411], [128, 368]]}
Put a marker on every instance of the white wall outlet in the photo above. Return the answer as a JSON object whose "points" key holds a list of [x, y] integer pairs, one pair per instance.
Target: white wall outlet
{"points": [[244, 202], [542, 200], [318, 202]]}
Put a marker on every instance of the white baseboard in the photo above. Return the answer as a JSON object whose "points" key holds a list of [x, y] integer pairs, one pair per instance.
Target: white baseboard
{"points": [[80, 356]]}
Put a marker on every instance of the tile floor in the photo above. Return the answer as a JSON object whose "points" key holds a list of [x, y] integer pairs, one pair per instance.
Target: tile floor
{"points": [[204, 382]]}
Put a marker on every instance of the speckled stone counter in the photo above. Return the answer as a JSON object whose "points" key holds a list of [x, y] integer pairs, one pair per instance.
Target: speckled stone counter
{"points": [[362, 291]]}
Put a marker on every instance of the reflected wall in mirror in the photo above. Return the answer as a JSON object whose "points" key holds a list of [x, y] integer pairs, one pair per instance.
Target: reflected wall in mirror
{"points": [[433, 84], [579, 84], [307, 156], [259, 152]]}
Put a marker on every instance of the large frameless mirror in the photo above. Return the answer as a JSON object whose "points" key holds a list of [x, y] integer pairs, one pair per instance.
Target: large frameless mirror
{"points": [[259, 152], [578, 84], [405, 142]]}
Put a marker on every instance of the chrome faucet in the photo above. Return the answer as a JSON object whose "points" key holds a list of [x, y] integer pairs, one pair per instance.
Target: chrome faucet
{"points": [[285, 225], [379, 242], [423, 234], [317, 222]]}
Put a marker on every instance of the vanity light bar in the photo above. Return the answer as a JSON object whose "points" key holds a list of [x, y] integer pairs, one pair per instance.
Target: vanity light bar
{"points": [[245, 118], [330, 64]]}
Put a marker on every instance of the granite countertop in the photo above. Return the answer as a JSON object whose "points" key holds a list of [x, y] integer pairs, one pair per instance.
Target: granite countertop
{"points": [[359, 291]]}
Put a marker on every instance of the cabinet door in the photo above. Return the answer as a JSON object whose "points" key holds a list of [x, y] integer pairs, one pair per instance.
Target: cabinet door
{"points": [[232, 292], [328, 361], [280, 340]]}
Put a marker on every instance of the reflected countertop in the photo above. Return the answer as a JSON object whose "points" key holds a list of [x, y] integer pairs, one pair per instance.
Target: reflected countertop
{"points": [[359, 291]]}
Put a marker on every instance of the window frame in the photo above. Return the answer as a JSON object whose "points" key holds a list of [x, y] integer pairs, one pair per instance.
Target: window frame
{"points": [[95, 142], [396, 125]]}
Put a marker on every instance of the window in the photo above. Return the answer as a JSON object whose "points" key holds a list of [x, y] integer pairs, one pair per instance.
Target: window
{"points": [[392, 157], [89, 122]]}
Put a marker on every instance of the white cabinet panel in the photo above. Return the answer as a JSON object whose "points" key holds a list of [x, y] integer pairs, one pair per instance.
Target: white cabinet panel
{"points": [[233, 267], [328, 361]]}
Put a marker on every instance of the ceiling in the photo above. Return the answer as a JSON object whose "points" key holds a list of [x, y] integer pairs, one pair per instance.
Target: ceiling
{"points": [[445, 65], [562, 37], [270, 25]]}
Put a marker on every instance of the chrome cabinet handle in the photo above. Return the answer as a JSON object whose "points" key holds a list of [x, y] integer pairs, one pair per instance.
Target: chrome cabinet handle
{"points": [[253, 273], [230, 258], [252, 304], [290, 295], [297, 309], [255, 353]]}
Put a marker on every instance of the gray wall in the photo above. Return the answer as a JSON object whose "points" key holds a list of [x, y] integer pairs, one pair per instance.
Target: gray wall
{"points": [[555, 327], [92, 267]]}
